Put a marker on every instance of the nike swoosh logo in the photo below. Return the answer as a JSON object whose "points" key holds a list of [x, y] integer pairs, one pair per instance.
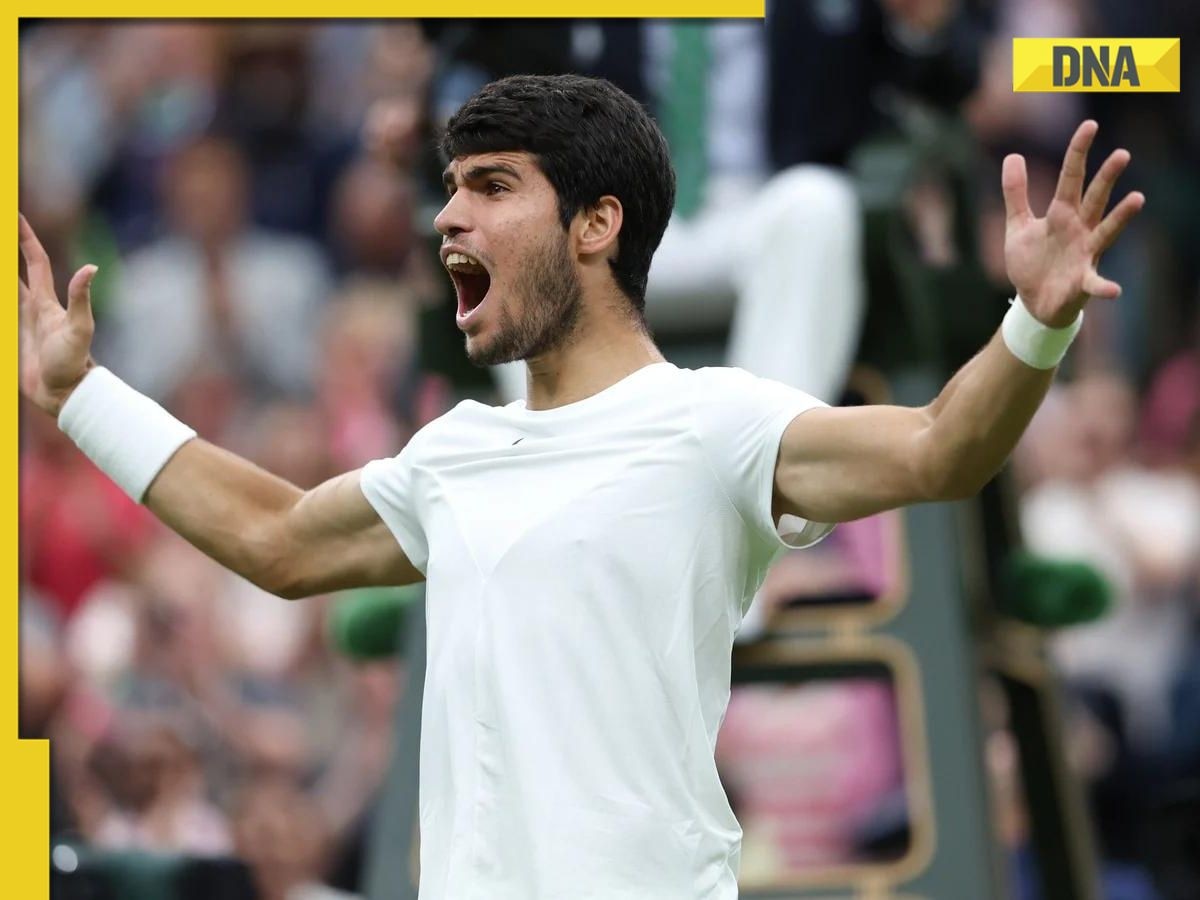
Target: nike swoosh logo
{"points": [[517, 441]]}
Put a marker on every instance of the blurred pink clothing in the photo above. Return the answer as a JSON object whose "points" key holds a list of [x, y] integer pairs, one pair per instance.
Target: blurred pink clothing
{"points": [[194, 827], [77, 527], [1172, 408], [808, 764]]}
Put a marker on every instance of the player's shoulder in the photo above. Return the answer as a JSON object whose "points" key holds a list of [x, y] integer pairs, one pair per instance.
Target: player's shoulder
{"points": [[726, 395], [721, 376], [428, 441], [718, 385], [462, 423]]}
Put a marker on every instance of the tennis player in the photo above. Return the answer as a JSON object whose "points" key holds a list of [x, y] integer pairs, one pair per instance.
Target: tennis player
{"points": [[590, 552]]}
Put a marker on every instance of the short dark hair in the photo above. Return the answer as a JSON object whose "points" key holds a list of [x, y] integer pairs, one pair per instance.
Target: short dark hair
{"points": [[590, 139]]}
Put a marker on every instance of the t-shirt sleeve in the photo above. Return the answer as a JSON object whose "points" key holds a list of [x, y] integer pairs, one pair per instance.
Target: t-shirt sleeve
{"points": [[390, 486], [741, 419]]}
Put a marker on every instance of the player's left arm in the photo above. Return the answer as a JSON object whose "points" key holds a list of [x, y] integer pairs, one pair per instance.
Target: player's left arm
{"points": [[837, 464]]}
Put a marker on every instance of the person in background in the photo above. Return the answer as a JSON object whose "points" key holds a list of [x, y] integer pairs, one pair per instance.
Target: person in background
{"points": [[264, 105], [281, 835], [1140, 527], [766, 233], [74, 539], [244, 297], [156, 783], [558, 192]]}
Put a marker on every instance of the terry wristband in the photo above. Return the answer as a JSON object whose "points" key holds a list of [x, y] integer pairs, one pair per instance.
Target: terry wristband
{"points": [[1035, 344], [125, 433]]}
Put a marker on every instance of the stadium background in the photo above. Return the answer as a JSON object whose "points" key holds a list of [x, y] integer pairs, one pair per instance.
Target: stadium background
{"points": [[259, 198]]}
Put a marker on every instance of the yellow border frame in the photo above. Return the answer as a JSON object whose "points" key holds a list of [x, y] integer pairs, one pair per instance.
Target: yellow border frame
{"points": [[414, 9], [25, 765]]}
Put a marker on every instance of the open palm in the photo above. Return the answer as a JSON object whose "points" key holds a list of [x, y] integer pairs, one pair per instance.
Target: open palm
{"points": [[1052, 261], [54, 342]]}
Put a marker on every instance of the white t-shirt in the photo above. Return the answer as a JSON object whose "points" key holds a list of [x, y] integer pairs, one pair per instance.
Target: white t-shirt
{"points": [[587, 570]]}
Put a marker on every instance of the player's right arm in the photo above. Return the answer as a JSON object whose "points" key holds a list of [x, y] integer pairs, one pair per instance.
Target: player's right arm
{"points": [[290, 542]]}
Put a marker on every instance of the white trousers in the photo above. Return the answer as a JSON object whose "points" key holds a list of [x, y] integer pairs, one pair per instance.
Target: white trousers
{"points": [[781, 264]]}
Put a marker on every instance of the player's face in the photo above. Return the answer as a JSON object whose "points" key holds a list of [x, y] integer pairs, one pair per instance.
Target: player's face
{"points": [[510, 259]]}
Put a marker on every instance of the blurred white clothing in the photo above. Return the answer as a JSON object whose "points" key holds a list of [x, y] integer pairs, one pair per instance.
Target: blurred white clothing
{"points": [[163, 329], [1141, 529], [778, 260], [783, 264]]}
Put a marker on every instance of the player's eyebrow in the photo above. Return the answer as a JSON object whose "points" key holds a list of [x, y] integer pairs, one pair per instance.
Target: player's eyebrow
{"points": [[478, 173]]}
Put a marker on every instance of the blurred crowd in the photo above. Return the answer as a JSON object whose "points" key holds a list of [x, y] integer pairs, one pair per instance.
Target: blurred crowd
{"points": [[263, 276], [259, 199]]}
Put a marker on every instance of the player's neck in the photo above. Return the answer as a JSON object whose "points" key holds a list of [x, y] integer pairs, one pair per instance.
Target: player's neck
{"points": [[607, 346]]}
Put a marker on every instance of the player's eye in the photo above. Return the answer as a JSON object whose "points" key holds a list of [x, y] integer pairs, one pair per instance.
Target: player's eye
{"points": [[495, 187]]}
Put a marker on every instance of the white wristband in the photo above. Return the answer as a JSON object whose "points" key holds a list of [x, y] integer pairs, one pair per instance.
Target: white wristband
{"points": [[126, 434], [1033, 343]]}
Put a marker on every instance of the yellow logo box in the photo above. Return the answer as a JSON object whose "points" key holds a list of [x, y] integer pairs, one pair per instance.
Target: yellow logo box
{"points": [[1122, 65]]}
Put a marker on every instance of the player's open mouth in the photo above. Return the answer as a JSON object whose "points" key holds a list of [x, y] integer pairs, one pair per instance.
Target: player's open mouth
{"points": [[471, 282]]}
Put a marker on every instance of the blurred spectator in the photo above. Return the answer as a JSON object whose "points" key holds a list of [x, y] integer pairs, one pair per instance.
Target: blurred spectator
{"points": [[281, 835], [154, 780], [264, 107], [289, 438], [216, 286], [372, 228], [1170, 421], [1037, 122], [1140, 527], [472, 53], [357, 767], [397, 80], [368, 351], [184, 151], [77, 527], [212, 396], [43, 681], [371, 74], [212, 169], [778, 258], [862, 53], [104, 106], [43, 685]]}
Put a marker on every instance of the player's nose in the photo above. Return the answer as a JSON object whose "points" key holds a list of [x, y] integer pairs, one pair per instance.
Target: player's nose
{"points": [[453, 219]]}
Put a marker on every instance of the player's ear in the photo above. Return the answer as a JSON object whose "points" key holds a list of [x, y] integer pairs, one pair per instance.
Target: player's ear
{"points": [[599, 226]]}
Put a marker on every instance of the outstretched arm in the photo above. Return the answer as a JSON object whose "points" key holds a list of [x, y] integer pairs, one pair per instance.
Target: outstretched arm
{"points": [[290, 542], [844, 463]]}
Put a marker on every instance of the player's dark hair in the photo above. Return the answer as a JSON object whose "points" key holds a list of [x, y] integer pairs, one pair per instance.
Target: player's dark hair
{"points": [[590, 139]]}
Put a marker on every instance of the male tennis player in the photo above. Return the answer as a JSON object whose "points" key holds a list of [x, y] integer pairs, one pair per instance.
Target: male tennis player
{"points": [[589, 553]]}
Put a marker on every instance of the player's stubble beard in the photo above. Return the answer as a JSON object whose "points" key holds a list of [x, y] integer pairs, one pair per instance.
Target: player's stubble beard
{"points": [[552, 298]]}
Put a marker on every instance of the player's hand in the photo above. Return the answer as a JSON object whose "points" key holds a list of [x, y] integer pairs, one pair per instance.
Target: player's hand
{"points": [[54, 342], [1052, 261]]}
